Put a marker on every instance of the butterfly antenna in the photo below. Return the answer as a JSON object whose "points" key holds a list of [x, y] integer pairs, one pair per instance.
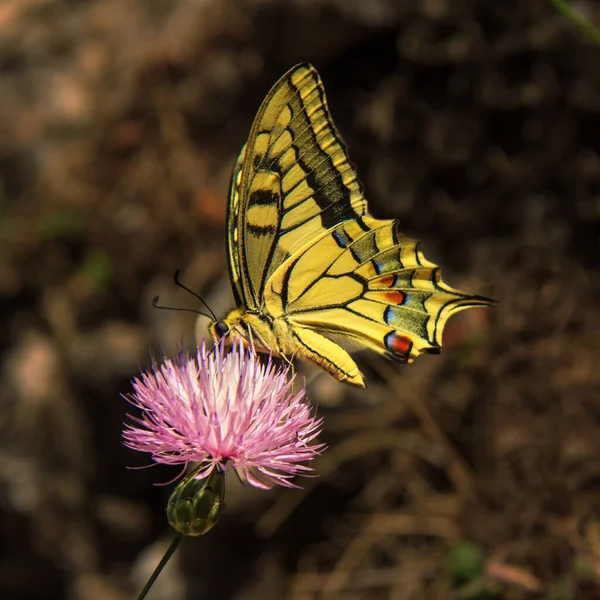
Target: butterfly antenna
{"points": [[177, 281], [157, 305]]}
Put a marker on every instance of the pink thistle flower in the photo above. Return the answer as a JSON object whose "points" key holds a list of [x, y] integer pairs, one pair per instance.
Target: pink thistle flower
{"points": [[224, 406]]}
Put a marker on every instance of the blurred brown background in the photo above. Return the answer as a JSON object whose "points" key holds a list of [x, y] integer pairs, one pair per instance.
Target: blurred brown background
{"points": [[473, 475]]}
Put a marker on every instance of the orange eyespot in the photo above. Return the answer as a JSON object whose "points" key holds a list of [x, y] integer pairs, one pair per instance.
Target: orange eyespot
{"points": [[385, 280], [399, 345], [395, 297]]}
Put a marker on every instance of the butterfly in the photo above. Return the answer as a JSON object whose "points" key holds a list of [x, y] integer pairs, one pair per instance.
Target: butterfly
{"points": [[308, 263]]}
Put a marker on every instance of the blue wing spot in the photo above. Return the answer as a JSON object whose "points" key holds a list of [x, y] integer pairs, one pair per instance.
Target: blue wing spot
{"points": [[341, 238], [378, 266], [388, 315]]}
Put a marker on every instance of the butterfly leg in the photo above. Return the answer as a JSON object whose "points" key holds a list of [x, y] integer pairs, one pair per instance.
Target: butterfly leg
{"points": [[289, 363]]}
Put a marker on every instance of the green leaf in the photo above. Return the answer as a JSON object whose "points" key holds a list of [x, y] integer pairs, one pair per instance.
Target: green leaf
{"points": [[465, 563]]}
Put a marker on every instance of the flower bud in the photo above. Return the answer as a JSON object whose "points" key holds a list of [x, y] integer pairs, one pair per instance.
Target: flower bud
{"points": [[195, 504]]}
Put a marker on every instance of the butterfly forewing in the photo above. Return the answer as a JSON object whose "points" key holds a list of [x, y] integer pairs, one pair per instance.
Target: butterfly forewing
{"points": [[233, 242], [292, 182]]}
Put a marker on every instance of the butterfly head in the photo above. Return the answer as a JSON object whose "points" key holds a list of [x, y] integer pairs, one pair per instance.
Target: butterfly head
{"points": [[228, 329], [251, 329], [219, 329]]}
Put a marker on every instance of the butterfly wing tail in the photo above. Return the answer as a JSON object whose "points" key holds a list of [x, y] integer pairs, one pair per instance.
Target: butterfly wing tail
{"points": [[405, 292]]}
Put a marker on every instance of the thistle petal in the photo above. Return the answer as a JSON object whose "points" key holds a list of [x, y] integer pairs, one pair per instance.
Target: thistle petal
{"points": [[221, 407]]}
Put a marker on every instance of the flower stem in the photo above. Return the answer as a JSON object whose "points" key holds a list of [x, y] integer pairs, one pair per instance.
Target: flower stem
{"points": [[577, 19], [161, 565]]}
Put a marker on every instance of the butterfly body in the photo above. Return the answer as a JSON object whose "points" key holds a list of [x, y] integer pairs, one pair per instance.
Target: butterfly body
{"points": [[307, 261]]}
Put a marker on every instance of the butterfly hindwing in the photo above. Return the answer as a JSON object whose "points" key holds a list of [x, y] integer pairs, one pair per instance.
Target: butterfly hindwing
{"points": [[375, 287]]}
